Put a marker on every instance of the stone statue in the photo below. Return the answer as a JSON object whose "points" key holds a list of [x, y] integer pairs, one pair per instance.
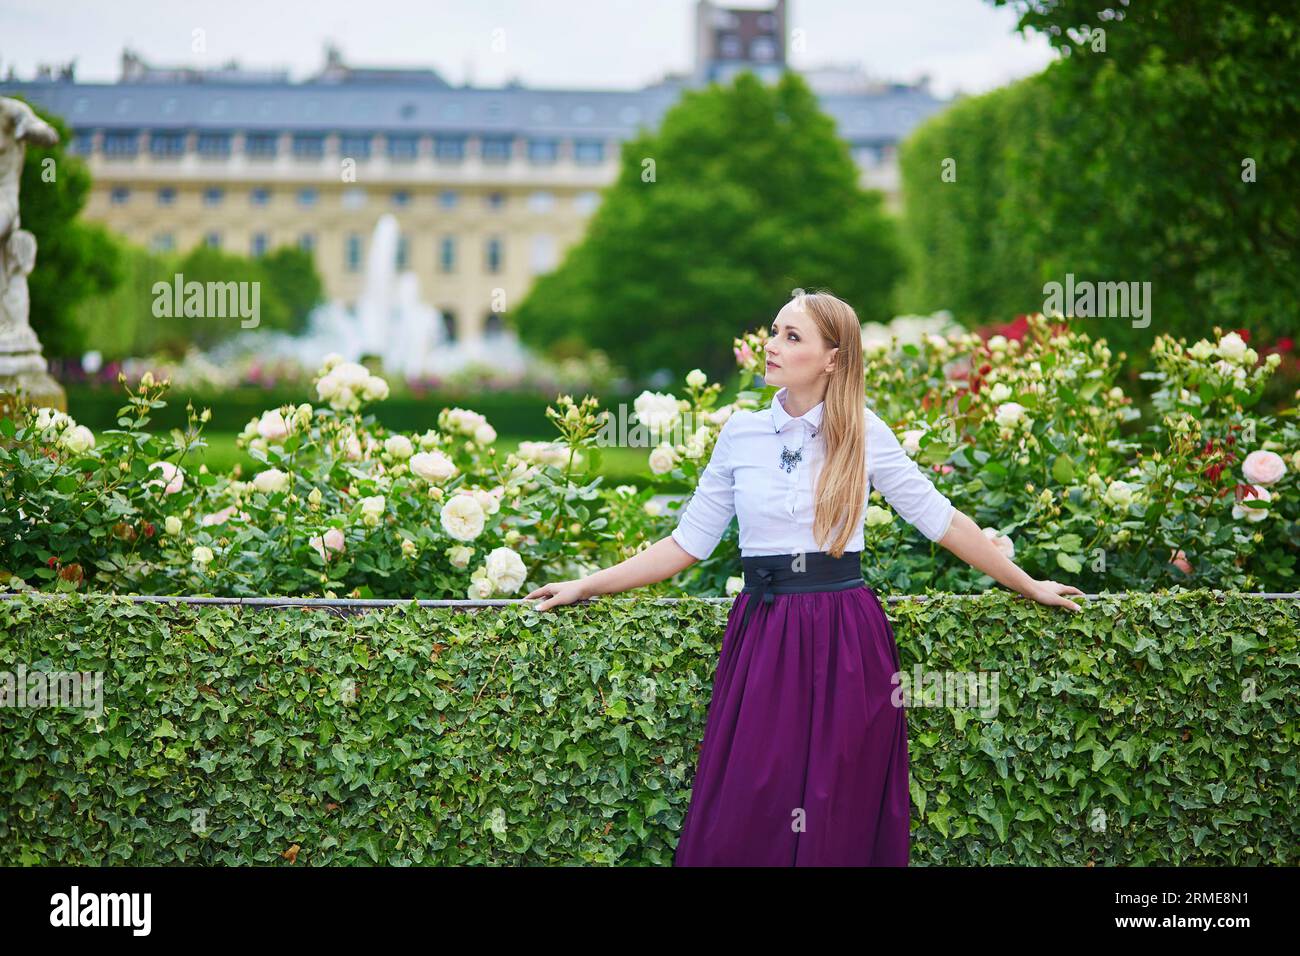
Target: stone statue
{"points": [[21, 365]]}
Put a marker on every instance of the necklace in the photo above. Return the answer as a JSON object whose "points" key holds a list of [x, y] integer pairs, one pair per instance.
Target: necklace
{"points": [[790, 459]]}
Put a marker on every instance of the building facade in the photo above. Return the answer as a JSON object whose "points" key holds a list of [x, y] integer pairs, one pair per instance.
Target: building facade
{"points": [[489, 185]]}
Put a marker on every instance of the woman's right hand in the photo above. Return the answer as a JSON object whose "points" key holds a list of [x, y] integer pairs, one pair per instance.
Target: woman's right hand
{"points": [[561, 592]]}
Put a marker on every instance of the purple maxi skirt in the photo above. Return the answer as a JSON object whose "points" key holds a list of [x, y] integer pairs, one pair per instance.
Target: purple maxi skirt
{"points": [[804, 760]]}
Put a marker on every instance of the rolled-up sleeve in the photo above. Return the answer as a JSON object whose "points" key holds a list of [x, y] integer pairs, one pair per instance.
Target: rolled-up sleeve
{"points": [[713, 504], [900, 479]]}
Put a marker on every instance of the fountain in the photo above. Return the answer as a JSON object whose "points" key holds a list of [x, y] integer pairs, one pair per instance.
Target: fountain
{"points": [[389, 321]]}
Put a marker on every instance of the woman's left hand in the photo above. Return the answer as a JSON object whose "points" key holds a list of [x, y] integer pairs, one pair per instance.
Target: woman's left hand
{"points": [[1050, 593]]}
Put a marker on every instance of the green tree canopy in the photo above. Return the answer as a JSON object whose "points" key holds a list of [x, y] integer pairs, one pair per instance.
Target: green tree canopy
{"points": [[744, 193], [1161, 148]]}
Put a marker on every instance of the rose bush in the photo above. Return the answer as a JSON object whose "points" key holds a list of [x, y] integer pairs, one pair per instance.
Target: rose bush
{"points": [[1033, 438]]}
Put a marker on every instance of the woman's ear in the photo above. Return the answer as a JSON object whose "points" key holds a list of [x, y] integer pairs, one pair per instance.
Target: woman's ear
{"points": [[831, 366]]}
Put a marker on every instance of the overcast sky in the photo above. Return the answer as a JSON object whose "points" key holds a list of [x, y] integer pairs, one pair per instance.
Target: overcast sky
{"points": [[966, 45]]}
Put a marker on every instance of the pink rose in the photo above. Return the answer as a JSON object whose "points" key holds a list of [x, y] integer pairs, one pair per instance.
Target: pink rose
{"points": [[1179, 560], [1263, 467]]}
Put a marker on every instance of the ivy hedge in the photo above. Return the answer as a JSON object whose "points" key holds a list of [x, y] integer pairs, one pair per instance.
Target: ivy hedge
{"points": [[1149, 729]]}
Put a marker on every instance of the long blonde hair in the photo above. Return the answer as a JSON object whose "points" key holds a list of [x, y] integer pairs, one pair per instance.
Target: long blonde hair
{"points": [[842, 484]]}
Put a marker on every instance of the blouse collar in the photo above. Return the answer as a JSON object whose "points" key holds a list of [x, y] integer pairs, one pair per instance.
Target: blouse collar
{"points": [[780, 417]]}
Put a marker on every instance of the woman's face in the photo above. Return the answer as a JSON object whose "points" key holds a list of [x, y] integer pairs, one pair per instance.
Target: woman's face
{"points": [[795, 353]]}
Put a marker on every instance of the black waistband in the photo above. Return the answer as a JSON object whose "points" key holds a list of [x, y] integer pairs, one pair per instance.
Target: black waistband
{"points": [[770, 574]]}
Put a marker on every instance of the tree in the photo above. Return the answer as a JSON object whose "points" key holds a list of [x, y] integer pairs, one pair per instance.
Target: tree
{"points": [[1161, 148], [292, 273], [74, 259], [744, 193]]}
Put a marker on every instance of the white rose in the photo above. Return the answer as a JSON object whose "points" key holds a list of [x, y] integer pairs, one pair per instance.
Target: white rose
{"points": [[912, 440], [372, 509], [77, 439], [432, 466], [201, 555], [352, 448], [1009, 413], [1119, 494], [460, 556], [489, 501], [270, 481], [462, 517], [485, 434], [653, 508], [1232, 347], [999, 393], [877, 515], [374, 389], [656, 410], [1201, 351], [172, 525], [272, 426], [1261, 467], [662, 459], [506, 571], [735, 584], [696, 378], [1252, 513], [399, 446]]}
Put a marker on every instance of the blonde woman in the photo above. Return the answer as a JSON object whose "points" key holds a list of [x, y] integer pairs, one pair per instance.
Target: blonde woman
{"points": [[804, 760]]}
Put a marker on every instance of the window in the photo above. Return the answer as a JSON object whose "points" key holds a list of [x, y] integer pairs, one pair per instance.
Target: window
{"points": [[213, 196], [449, 324], [307, 242], [308, 145], [213, 145], [403, 148], [586, 201], [588, 151], [447, 254], [353, 198], [494, 254], [493, 325], [403, 249], [167, 196], [495, 200], [83, 142], [120, 143], [449, 148], [541, 201], [401, 197], [543, 253], [352, 252], [168, 143], [353, 146], [308, 197], [762, 48], [163, 242], [259, 244], [119, 195], [448, 198], [543, 150], [583, 114], [261, 145], [729, 46], [495, 149], [212, 240], [261, 196]]}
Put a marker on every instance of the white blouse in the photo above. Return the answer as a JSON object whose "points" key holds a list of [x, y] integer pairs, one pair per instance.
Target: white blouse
{"points": [[763, 469]]}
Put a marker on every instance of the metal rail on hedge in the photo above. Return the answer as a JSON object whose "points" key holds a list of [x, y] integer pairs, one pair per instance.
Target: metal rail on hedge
{"points": [[365, 603]]}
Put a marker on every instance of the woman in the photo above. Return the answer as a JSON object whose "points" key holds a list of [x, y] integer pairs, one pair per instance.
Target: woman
{"points": [[804, 759]]}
